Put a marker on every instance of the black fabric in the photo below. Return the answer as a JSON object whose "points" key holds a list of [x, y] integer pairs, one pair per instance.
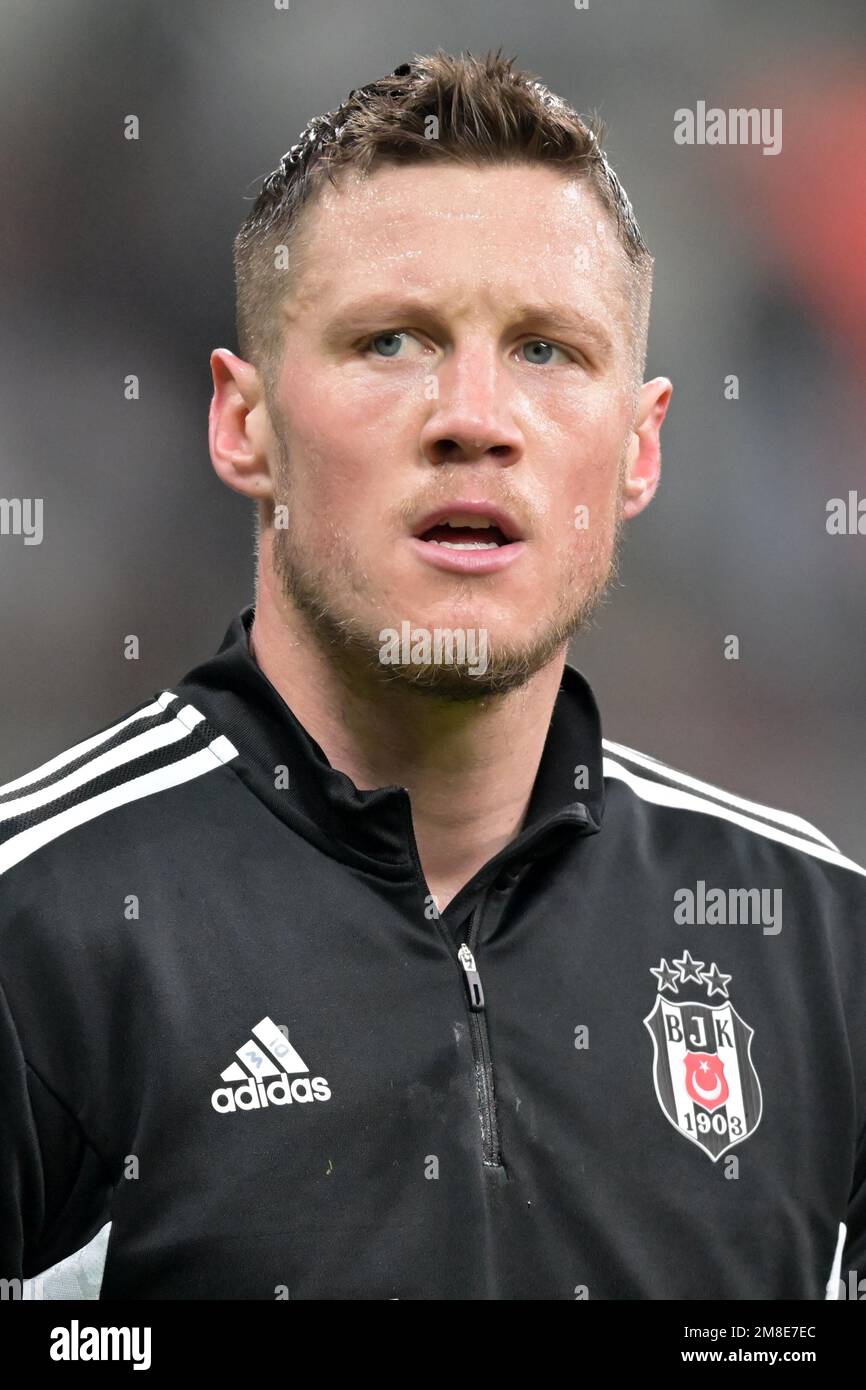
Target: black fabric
{"points": [[232, 1020], [374, 828]]}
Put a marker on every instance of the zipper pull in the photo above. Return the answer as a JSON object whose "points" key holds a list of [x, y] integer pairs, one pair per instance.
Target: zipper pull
{"points": [[472, 978]]}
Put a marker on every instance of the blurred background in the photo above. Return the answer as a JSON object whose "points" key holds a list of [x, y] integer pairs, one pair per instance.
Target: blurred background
{"points": [[117, 259]]}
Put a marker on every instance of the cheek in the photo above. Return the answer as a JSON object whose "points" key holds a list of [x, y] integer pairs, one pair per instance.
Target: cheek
{"points": [[582, 502], [323, 461], [579, 424], [341, 429], [334, 493], [356, 402]]}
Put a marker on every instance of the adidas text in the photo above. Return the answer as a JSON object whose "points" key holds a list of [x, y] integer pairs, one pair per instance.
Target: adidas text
{"points": [[253, 1095]]}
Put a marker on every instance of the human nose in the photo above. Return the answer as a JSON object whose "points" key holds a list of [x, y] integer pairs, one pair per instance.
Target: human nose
{"points": [[473, 415]]}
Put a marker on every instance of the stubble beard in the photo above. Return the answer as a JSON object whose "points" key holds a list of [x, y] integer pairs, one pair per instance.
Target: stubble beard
{"points": [[322, 594]]}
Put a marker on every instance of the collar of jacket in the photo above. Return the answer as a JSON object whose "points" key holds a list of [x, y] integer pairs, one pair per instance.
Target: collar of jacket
{"points": [[373, 829]]}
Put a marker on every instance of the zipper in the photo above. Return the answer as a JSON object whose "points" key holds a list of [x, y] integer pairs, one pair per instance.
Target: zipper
{"points": [[484, 1082], [490, 1145]]}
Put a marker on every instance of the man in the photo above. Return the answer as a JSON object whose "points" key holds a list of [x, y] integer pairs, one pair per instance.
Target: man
{"points": [[356, 965]]}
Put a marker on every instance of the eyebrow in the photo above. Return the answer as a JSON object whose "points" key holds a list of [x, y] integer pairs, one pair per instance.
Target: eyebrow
{"points": [[550, 315]]}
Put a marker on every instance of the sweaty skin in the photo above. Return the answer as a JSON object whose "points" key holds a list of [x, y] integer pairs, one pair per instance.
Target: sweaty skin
{"points": [[475, 398]]}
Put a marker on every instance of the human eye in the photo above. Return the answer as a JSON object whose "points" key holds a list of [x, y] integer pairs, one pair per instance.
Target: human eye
{"points": [[392, 339], [546, 347]]}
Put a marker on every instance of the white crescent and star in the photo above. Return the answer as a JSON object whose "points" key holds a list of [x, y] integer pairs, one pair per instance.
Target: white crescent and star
{"points": [[716, 1090]]}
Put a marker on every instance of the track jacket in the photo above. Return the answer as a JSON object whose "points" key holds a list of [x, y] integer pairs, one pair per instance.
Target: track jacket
{"points": [[628, 1061]]}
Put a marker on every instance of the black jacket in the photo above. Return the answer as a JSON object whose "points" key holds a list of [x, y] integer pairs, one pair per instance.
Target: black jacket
{"points": [[628, 1061]]}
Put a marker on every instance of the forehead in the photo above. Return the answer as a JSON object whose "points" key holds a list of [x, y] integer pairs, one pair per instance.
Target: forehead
{"points": [[462, 231]]}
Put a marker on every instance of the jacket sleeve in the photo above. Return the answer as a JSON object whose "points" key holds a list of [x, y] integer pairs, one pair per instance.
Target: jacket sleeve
{"points": [[854, 1253], [55, 1189]]}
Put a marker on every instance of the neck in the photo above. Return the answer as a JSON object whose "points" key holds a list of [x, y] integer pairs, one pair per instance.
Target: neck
{"points": [[469, 766]]}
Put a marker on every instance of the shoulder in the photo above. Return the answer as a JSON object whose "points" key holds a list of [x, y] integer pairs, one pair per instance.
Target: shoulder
{"points": [[657, 784], [160, 744]]}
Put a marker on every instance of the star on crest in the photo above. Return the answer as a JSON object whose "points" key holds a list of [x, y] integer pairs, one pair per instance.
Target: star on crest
{"points": [[689, 969], [716, 982], [667, 978]]}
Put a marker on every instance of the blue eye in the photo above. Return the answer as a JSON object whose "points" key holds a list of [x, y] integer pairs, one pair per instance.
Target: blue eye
{"points": [[388, 343], [548, 347], [393, 338]]}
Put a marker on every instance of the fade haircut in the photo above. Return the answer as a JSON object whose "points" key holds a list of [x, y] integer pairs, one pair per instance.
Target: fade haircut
{"points": [[486, 112]]}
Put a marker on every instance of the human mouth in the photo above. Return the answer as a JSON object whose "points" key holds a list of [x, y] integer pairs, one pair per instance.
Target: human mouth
{"points": [[465, 533], [476, 536]]}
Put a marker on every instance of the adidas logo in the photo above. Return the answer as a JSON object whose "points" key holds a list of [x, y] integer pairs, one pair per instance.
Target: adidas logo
{"points": [[268, 1053]]}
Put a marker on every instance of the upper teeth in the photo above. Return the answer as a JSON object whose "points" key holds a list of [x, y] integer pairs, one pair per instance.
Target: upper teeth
{"points": [[471, 521], [478, 523]]}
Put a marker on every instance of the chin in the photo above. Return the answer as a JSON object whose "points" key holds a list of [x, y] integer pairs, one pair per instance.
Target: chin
{"points": [[460, 683], [462, 661]]}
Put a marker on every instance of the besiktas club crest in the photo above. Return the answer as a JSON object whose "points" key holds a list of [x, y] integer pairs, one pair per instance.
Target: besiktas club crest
{"points": [[705, 1081]]}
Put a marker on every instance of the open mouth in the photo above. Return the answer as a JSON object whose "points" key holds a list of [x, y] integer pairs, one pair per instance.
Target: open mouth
{"points": [[459, 533], [468, 537]]}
